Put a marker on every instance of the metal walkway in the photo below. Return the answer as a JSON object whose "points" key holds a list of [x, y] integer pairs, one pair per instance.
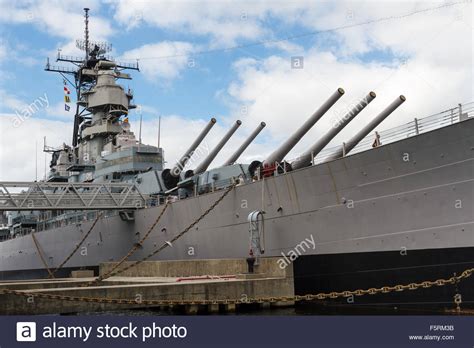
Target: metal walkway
{"points": [[17, 196]]}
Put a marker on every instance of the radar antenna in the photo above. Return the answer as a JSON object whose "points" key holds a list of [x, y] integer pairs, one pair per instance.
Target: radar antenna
{"points": [[92, 48]]}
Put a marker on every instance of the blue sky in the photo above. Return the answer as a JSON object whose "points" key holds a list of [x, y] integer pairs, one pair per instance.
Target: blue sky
{"points": [[410, 56], [194, 94]]}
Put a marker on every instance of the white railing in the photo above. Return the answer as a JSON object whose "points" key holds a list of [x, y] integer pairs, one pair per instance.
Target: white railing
{"points": [[412, 128]]}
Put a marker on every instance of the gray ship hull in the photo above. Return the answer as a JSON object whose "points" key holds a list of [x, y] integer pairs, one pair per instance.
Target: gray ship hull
{"points": [[395, 214]]}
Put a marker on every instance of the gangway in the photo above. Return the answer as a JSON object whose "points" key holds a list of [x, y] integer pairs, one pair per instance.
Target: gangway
{"points": [[33, 196]]}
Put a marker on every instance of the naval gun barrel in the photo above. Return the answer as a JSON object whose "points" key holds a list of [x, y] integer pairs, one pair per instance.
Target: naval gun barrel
{"points": [[245, 144], [210, 157], [171, 177], [305, 159], [177, 169], [349, 145], [282, 151]]}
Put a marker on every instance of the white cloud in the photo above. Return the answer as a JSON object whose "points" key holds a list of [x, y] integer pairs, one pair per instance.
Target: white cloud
{"points": [[224, 21], [58, 111], [3, 50], [421, 64], [58, 18], [228, 21], [286, 46], [11, 101], [16, 52], [142, 108], [164, 68], [36, 105], [18, 150]]}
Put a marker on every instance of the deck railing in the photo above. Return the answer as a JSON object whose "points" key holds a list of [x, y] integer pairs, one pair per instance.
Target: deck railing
{"points": [[407, 130]]}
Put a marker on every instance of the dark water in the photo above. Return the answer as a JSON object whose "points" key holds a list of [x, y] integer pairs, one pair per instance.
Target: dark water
{"points": [[297, 310]]}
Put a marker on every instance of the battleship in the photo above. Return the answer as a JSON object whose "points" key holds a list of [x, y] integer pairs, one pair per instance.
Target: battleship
{"points": [[383, 208]]}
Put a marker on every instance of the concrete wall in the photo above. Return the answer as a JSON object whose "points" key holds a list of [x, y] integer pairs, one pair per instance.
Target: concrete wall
{"points": [[271, 281], [187, 268]]}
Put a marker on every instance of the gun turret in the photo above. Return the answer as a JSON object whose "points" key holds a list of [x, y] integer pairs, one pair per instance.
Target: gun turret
{"points": [[282, 151], [171, 176], [245, 144], [305, 159], [210, 157], [349, 145]]}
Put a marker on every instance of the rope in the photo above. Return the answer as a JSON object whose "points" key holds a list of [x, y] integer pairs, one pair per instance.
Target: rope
{"points": [[135, 247], [77, 246], [41, 255], [169, 243]]}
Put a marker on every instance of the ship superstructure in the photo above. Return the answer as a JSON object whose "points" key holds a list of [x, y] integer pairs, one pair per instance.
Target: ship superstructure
{"points": [[103, 146]]}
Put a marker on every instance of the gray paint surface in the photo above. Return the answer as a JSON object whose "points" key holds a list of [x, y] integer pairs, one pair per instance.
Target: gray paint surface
{"points": [[401, 195]]}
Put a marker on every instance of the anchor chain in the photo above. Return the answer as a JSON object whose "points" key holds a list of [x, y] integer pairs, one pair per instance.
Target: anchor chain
{"points": [[297, 298], [43, 260], [168, 243], [134, 248], [387, 289], [51, 274]]}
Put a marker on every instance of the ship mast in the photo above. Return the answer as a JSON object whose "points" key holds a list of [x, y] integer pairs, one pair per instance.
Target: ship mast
{"points": [[86, 31], [84, 74]]}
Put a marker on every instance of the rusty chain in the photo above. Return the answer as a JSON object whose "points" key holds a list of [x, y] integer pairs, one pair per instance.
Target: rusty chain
{"points": [[134, 248], [43, 260], [169, 243], [51, 274], [272, 299]]}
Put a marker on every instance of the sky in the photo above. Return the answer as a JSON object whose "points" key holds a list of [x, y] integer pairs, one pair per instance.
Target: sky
{"points": [[233, 60]]}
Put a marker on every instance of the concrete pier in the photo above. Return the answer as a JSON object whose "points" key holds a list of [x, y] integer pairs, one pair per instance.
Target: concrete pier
{"points": [[178, 281]]}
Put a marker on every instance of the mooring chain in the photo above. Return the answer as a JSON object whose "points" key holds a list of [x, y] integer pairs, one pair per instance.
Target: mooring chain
{"points": [[169, 243], [51, 275], [135, 247], [297, 298], [41, 255], [387, 289]]}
